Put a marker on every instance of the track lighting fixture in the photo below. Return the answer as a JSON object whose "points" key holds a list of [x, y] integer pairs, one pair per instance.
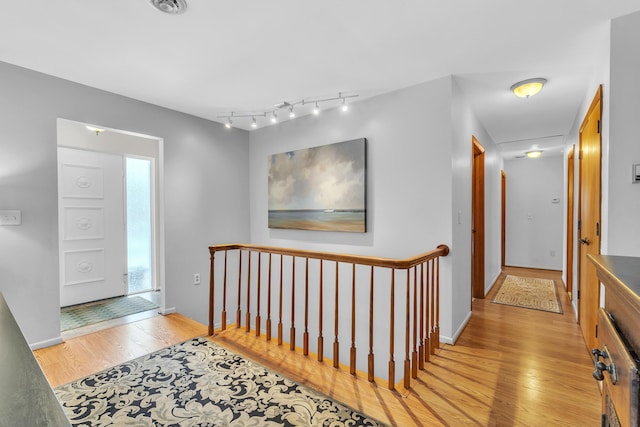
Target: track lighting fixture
{"points": [[291, 106]]}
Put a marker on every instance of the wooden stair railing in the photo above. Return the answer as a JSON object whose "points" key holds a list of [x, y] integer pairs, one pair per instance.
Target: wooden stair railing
{"points": [[420, 307]]}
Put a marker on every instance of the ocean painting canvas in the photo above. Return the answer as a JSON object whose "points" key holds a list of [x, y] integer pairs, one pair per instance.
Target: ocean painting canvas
{"points": [[319, 188]]}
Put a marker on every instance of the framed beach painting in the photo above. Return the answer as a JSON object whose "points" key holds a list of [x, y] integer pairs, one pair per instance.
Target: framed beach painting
{"points": [[319, 188]]}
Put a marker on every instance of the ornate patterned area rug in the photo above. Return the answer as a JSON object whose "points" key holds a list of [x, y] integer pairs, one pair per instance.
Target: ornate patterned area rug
{"points": [[529, 292], [198, 383], [87, 314]]}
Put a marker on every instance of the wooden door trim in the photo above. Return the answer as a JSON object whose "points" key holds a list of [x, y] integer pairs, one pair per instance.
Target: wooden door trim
{"points": [[570, 223], [503, 225], [478, 225]]}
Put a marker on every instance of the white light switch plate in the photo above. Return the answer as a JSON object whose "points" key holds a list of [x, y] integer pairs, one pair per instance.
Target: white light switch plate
{"points": [[10, 217]]}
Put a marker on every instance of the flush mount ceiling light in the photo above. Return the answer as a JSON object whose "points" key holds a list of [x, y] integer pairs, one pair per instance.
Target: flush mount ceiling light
{"points": [[172, 7], [534, 154], [98, 131], [527, 88]]}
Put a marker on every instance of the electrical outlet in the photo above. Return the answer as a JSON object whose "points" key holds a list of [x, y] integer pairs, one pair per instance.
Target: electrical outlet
{"points": [[196, 278]]}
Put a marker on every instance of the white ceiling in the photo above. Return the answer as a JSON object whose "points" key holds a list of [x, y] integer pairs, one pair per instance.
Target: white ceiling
{"points": [[247, 55]]}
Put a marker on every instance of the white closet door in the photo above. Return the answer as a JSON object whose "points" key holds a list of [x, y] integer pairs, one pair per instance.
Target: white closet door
{"points": [[91, 226]]}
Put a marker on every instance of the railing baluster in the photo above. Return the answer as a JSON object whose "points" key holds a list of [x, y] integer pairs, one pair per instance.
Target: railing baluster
{"points": [[336, 344], [392, 322], [211, 293], [321, 309], [292, 330], [258, 320], [269, 302], [421, 337], [370, 359], [239, 291], [437, 302], [224, 295], [407, 361], [352, 360], [414, 354], [305, 335], [427, 344], [248, 315], [280, 305], [432, 314]]}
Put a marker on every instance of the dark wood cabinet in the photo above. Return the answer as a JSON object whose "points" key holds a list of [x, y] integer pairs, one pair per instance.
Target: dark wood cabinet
{"points": [[616, 357]]}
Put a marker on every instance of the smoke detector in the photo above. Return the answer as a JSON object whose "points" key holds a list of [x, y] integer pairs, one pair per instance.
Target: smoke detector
{"points": [[172, 7]]}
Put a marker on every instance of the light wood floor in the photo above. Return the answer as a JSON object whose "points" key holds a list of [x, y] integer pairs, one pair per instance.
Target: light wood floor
{"points": [[510, 367]]}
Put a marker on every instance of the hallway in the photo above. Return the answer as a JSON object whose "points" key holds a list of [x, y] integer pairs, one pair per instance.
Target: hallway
{"points": [[510, 367]]}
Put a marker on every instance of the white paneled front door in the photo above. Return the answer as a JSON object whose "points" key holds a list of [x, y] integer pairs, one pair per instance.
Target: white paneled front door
{"points": [[91, 226]]}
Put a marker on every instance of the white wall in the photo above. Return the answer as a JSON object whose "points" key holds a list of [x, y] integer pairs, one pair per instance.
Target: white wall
{"points": [[206, 182], [534, 222], [466, 124], [623, 204], [408, 180]]}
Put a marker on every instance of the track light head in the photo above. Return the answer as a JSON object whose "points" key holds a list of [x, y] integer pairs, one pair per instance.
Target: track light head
{"points": [[254, 124], [344, 107], [274, 118], [292, 114], [316, 109]]}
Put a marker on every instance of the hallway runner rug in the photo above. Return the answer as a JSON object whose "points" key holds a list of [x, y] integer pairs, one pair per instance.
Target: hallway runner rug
{"points": [[529, 292], [198, 383], [87, 314]]}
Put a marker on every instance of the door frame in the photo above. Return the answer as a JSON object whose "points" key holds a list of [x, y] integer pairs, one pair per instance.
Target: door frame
{"points": [[503, 216], [72, 134], [477, 219], [597, 100], [570, 223]]}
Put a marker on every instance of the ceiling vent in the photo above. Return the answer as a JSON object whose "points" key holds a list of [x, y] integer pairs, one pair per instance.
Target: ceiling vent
{"points": [[172, 7]]}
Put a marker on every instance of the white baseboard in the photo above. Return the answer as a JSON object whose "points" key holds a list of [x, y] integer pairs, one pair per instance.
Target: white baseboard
{"points": [[493, 282], [165, 311], [452, 341], [45, 343]]}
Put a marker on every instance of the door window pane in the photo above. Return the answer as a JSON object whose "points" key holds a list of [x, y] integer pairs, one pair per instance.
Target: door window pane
{"points": [[139, 225]]}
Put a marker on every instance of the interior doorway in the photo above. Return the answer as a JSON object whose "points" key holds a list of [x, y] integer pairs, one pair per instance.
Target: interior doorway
{"points": [[477, 218], [115, 205]]}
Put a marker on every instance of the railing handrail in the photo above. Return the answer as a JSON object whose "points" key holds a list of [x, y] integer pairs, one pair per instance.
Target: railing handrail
{"points": [[400, 264]]}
